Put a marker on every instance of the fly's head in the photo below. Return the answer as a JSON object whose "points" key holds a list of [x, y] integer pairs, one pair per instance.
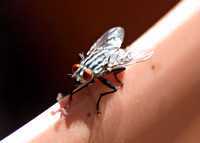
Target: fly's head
{"points": [[81, 73]]}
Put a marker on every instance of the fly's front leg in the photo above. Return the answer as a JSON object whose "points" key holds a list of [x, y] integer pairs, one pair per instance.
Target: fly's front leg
{"points": [[72, 92], [81, 57], [107, 83], [115, 72]]}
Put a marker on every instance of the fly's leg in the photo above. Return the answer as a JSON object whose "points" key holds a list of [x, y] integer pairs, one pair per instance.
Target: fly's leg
{"points": [[107, 83], [116, 71], [81, 57], [72, 92]]}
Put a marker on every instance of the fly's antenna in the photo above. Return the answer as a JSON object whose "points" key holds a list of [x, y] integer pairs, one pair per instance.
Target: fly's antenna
{"points": [[69, 74]]}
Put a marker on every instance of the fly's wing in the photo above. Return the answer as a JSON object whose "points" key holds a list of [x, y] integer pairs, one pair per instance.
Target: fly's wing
{"points": [[140, 55], [125, 57], [111, 40]]}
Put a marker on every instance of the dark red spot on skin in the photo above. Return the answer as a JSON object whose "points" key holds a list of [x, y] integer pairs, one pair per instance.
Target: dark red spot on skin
{"points": [[89, 114], [152, 67]]}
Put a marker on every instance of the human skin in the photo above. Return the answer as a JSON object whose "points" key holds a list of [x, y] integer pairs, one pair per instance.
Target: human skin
{"points": [[159, 102]]}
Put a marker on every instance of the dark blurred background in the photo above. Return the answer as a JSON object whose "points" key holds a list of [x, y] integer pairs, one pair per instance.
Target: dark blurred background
{"points": [[40, 41]]}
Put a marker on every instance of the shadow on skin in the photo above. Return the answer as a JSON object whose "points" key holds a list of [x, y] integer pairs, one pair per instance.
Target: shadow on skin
{"points": [[83, 109]]}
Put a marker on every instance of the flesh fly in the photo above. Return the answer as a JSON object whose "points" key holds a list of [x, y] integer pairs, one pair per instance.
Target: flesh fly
{"points": [[104, 57]]}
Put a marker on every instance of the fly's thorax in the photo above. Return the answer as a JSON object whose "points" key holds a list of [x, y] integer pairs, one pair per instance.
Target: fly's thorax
{"points": [[82, 73], [97, 62]]}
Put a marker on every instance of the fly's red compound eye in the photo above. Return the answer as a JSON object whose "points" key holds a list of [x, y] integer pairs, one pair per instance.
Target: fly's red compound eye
{"points": [[75, 67], [87, 74]]}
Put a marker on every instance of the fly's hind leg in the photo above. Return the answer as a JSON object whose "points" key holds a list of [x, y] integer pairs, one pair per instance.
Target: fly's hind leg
{"points": [[115, 72], [107, 83]]}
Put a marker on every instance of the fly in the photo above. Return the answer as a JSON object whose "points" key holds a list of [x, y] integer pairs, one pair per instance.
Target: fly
{"points": [[104, 57]]}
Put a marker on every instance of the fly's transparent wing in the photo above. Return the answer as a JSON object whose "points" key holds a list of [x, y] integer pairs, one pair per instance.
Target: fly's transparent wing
{"points": [[110, 40], [125, 57], [140, 55]]}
